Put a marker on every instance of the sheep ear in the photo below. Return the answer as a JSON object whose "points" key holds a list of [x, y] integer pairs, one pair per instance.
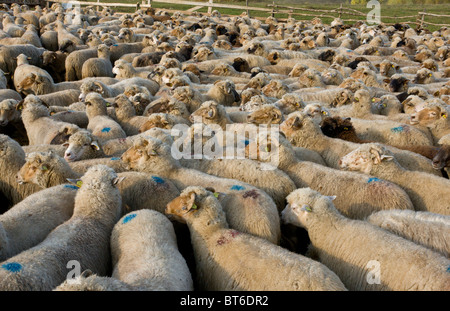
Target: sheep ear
{"points": [[376, 157], [66, 144], [19, 106], [211, 113], [190, 202], [76, 182], [86, 273], [332, 197], [95, 145], [386, 157], [297, 123], [117, 180]]}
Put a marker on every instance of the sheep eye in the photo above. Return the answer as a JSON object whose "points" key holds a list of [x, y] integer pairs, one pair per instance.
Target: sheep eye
{"points": [[184, 208]]}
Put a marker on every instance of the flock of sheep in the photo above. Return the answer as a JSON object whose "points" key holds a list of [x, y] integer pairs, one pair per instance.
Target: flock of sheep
{"points": [[92, 197]]}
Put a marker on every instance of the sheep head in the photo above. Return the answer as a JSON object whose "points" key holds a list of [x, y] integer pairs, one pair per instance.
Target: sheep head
{"points": [[267, 114], [150, 155], [429, 115], [195, 201], [343, 98], [80, 144], [157, 120], [365, 158], [275, 88], [303, 204], [8, 111], [209, 112], [424, 76], [442, 158], [91, 87], [37, 168]]}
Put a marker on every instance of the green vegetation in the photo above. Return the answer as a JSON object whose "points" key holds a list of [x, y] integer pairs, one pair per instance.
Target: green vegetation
{"points": [[392, 8]]}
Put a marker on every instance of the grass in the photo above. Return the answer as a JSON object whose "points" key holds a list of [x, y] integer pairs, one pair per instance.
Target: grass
{"points": [[393, 11]]}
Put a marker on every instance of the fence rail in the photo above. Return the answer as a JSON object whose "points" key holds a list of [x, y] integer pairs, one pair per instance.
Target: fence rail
{"points": [[271, 9]]}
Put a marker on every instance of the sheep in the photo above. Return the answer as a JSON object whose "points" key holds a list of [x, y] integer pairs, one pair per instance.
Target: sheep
{"points": [[427, 192], [100, 124], [427, 229], [123, 69], [23, 68], [88, 281], [126, 115], [153, 156], [74, 63], [191, 97], [28, 222], [11, 121], [31, 35], [357, 195], [223, 92], [112, 90], [41, 129], [100, 66], [162, 120], [364, 256], [97, 209], [435, 118], [217, 270], [160, 265], [167, 105], [267, 114], [332, 149], [62, 98]]}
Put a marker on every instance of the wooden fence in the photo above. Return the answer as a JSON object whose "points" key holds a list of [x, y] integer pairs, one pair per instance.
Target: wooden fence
{"points": [[271, 9]]}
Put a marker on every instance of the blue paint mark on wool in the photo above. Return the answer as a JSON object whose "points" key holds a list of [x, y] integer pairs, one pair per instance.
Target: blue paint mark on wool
{"points": [[373, 179], [448, 269], [115, 159], [158, 180], [106, 130], [246, 142], [12, 267], [398, 129], [128, 218], [71, 187], [237, 187]]}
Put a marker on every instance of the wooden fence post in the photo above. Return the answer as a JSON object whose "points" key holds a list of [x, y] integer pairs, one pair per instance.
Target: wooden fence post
{"points": [[210, 7], [340, 11], [149, 3], [273, 9], [246, 4], [423, 18]]}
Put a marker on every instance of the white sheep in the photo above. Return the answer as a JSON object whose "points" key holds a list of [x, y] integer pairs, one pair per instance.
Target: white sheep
{"points": [[83, 238], [427, 192], [27, 223], [145, 253], [219, 252], [364, 256], [100, 124], [12, 157], [40, 127], [428, 229]]}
